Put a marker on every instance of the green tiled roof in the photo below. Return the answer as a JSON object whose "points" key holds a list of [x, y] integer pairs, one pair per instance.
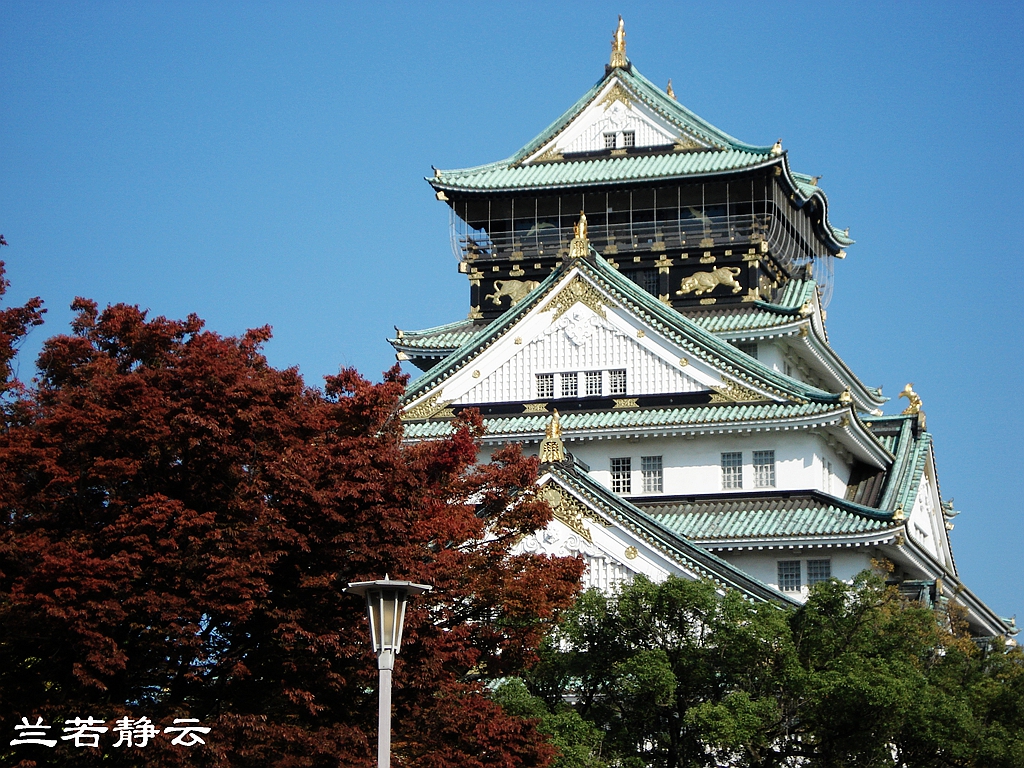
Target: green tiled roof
{"points": [[449, 336], [501, 176], [637, 418], [763, 516], [689, 555], [725, 155], [761, 314]]}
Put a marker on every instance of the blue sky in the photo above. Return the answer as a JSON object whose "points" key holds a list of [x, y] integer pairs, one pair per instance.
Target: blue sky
{"points": [[263, 163]]}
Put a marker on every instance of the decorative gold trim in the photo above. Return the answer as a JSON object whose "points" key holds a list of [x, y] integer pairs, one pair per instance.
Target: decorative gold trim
{"points": [[708, 301], [664, 298], [668, 90], [535, 407], [618, 93], [618, 58], [516, 271], [753, 294], [567, 510], [631, 552], [731, 392], [519, 339], [551, 448], [552, 155], [578, 291], [427, 409], [640, 334], [683, 362], [626, 402], [707, 242], [475, 314], [684, 143], [476, 374]]}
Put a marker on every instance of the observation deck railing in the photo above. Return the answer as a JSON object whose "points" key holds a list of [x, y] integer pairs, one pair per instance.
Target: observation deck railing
{"points": [[546, 240]]}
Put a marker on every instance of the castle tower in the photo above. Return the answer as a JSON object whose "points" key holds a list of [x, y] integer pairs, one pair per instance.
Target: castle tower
{"points": [[661, 285]]}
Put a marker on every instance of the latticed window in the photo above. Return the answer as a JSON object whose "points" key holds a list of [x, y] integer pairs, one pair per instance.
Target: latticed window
{"points": [[645, 278], [789, 575], [748, 348], [650, 468], [732, 470], [629, 138], [620, 475], [764, 469], [609, 141], [570, 385], [818, 570], [545, 385], [593, 382], [617, 382]]}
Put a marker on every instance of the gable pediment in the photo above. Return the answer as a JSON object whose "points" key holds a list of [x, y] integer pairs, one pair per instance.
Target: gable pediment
{"points": [[617, 118], [589, 332]]}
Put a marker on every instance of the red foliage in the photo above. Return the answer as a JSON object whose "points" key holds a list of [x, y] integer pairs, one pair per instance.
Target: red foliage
{"points": [[179, 520]]}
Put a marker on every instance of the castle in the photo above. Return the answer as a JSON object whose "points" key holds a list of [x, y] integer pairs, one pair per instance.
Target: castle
{"points": [[647, 312]]}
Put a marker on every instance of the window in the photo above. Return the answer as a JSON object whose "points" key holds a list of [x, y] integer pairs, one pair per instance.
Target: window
{"points": [[789, 575], [609, 141], [732, 470], [818, 570], [617, 382], [650, 468], [620, 475], [545, 385], [764, 469], [629, 138], [570, 385], [593, 382], [645, 278], [748, 348]]}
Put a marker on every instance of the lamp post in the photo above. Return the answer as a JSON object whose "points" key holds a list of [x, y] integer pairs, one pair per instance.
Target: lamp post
{"points": [[385, 607]]}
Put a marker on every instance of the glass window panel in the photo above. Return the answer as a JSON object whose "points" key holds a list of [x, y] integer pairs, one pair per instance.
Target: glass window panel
{"points": [[620, 475], [789, 575], [651, 469], [764, 469], [732, 470], [545, 385], [818, 570]]}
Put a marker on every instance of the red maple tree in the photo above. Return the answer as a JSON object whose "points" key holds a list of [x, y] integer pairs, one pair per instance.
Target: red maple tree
{"points": [[179, 521]]}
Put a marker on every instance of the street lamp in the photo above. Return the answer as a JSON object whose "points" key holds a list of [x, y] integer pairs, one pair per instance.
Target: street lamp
{"points": [[385, 607]]}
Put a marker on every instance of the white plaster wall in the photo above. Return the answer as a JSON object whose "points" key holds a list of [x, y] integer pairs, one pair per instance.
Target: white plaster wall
{"points": [[763, 564], [693, 465]]}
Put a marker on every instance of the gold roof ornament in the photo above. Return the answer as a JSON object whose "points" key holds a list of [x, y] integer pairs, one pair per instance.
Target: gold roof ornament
{"points": [[551, 448], [618, 58], [580, 245], [913, 400], [670, 92], [777, 148], [845, 397]]}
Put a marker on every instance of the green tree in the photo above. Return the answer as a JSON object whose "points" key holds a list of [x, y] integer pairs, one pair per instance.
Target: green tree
{"points": [[677, 675]]}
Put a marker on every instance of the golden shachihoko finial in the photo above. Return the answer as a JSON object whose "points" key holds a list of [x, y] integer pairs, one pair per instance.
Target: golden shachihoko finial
{"points": [[580, 245], [914, 401], [669, 91], [619, 46], [551, 448]]}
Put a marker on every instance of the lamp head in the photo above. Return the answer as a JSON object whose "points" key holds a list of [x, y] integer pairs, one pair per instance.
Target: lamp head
{"points": [[386, 600]]}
